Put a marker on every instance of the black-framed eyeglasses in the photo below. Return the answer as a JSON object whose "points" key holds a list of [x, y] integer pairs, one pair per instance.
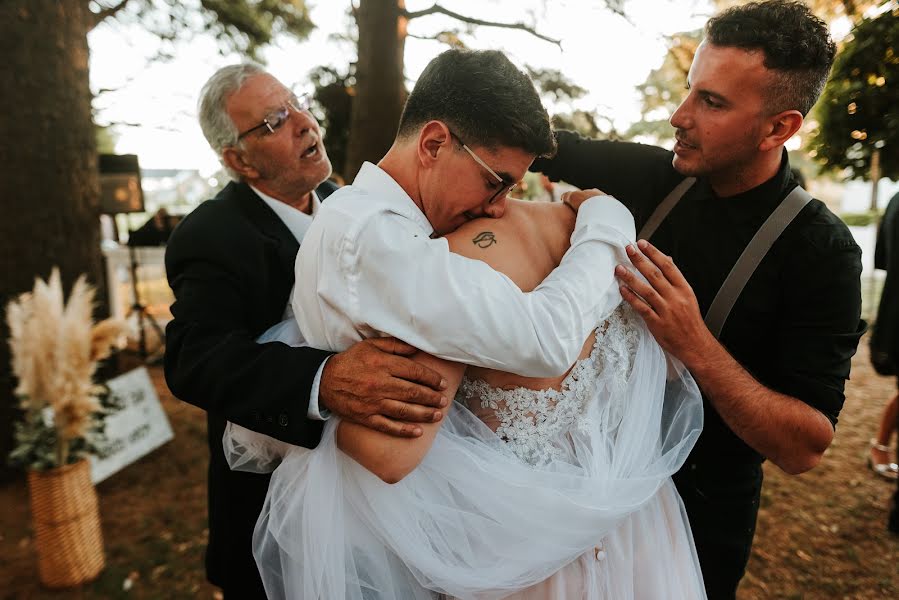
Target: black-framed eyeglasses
{"points": [[275, 119], [506, 188]]}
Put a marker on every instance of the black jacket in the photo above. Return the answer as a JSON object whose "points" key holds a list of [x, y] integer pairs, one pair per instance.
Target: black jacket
{"points": [[230, 264], [885, 340]]}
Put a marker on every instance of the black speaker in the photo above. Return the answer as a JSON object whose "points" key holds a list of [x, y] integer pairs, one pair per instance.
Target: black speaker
{"points": [[120, 189]]}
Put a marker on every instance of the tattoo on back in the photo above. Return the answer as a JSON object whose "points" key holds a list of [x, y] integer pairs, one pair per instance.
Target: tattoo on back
{"points": [[485, 239]]}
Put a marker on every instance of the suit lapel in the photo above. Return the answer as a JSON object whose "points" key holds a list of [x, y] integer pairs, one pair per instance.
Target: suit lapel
{"points": [[268, 224]]}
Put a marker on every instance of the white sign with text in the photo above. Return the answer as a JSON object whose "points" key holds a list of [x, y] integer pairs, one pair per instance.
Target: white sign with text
{"points": [[135, 430]]}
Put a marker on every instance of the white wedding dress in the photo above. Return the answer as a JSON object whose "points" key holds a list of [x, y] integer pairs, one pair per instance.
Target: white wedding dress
{"points": [[539, 495]]}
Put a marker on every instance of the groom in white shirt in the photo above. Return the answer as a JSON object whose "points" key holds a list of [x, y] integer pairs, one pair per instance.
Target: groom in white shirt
{"points": [[470, 129]]}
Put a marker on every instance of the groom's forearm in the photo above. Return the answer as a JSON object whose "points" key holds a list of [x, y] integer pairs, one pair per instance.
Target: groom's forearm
{"points": [[784, 429]]}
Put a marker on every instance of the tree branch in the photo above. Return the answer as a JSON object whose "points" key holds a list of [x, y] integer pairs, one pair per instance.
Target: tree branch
{"points": [[108, 12], [437, 9], [135, 124]]}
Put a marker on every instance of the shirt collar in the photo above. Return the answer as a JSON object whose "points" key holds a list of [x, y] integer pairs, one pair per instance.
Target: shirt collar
{"points": [[296, 220], [763, 198], [373, 180]]}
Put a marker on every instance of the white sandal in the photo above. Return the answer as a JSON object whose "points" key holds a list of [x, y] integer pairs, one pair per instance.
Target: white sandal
{"points": [[888, 470]]}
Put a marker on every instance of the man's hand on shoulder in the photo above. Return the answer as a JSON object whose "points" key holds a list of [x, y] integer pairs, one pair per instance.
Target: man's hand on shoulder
{"points": [[375, 384]]}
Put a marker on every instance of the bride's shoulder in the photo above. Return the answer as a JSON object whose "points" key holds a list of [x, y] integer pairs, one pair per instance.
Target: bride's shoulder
{"points": [[486, 232], [522, 243]]}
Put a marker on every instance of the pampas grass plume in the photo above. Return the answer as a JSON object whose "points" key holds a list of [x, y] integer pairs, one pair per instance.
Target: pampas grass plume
{"points": [[55, 348]]}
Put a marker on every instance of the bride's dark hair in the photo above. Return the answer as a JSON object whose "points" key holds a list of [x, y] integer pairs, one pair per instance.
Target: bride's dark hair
{"points": [[484, 98]]}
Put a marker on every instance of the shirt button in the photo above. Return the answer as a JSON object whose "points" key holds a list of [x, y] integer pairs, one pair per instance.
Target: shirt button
{"points": [[599, 553], [282, 420]]}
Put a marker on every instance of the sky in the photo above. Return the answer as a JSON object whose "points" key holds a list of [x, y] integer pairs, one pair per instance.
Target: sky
{"points": [[601, 52]]}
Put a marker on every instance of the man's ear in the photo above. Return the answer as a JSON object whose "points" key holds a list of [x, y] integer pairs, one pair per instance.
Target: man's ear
{"points": [[781, 127], [234, 160], [432, 139]]}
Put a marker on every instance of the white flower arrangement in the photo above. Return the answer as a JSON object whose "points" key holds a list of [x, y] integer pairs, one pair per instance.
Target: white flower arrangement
{"points": [[55, 349]]}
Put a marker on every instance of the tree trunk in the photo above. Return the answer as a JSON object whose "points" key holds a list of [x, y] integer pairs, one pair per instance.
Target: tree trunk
{"points": [[48, 164], [380, 82], [875, 177]]}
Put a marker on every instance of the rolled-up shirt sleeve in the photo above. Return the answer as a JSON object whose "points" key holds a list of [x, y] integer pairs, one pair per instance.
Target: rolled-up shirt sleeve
{"points": [[821, 325], [388, 278]]}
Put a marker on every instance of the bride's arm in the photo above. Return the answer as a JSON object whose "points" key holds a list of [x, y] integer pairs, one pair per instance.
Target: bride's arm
{"points": [[392, 458]]}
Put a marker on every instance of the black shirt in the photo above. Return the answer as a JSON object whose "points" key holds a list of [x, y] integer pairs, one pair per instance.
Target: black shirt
{"points": [[796, 325]]}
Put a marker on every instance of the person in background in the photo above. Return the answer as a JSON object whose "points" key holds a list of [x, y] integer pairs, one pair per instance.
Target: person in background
{"points": [[885, 348], [155, 232]]}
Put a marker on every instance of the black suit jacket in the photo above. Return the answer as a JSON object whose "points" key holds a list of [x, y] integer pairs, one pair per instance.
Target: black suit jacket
{"points": [[230, 264]]}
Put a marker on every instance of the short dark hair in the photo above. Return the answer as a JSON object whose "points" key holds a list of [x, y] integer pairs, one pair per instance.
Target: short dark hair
{"points": [[796, 44], [483, 98]]}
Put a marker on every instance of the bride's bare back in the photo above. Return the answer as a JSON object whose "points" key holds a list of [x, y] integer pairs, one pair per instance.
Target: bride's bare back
{"points": [[526, 244]]}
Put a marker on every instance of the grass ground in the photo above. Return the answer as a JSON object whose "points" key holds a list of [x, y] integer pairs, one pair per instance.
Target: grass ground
{"points": [[820, 535]]}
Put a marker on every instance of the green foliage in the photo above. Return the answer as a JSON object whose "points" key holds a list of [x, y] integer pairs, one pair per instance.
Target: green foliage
{"points": [[551, 82], [240, 25], [34, 437], [860, 219], [256, 21], [558, 91], [859, 109], [587, 124], [665, 88]]}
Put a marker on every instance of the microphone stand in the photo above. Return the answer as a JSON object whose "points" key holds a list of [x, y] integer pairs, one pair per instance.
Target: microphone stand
{"points": [[142, 314]]}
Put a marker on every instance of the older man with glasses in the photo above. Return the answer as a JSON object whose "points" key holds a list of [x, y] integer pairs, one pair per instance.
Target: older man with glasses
{"points": [[230, 264]]}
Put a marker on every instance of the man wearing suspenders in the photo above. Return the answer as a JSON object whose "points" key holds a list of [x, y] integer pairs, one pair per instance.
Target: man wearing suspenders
{"points": [[749, 281]]}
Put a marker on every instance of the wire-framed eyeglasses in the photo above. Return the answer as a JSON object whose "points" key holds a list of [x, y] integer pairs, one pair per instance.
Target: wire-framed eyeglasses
{"points": [[506, 185], [275, 119]]}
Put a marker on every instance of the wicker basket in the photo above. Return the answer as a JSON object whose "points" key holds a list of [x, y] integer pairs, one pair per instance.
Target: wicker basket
{"points": [[67, 525]]}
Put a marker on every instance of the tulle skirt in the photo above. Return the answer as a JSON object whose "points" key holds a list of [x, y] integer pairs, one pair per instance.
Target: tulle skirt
{"points": [[601, 520]]}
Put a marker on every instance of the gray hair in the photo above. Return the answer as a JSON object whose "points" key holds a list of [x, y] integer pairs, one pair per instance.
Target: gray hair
{"points": [[217, 126]]}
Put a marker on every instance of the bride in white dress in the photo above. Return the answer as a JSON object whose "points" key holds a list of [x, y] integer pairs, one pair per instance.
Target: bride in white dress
{"points": [[536, 489]]}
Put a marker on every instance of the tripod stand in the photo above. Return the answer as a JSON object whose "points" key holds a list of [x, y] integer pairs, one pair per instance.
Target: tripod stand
{"points": [[142, 315]]}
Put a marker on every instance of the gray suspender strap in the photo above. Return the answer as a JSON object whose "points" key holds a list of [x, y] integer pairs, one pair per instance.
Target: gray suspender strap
{"points": [[752, 255], [664, 208]]}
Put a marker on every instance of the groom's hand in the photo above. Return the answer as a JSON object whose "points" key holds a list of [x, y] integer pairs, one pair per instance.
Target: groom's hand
{"points": [[373, 383], [575, 198]]}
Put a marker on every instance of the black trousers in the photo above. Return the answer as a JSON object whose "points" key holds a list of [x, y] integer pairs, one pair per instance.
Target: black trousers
{"points": [[242, 584], [722, 504]]}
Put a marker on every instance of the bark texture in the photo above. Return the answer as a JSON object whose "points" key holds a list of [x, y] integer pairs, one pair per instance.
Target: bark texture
{"points": [[380, 82], [48, 164]]}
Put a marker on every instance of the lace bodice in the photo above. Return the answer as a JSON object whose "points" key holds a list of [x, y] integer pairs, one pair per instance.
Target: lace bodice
{"points": [[534, 423]]}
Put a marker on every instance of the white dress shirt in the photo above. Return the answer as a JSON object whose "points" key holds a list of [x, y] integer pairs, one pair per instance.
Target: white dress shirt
{"points": [[298, 223], [372, 269]]}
